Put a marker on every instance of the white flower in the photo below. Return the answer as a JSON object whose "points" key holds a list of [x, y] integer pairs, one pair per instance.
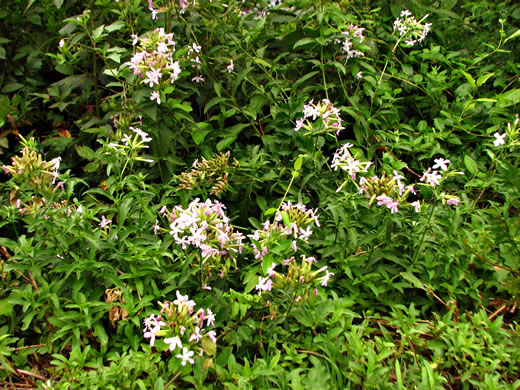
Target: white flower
{"points": [[144, 136], [299, 124], [173, 342], [62, 43], [499, 139], [230, 67], [441, 163], [186, 356], [156, 96]]}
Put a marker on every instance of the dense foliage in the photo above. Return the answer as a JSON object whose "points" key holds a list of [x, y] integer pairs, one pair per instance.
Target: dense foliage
{"points": [[247, 195]]}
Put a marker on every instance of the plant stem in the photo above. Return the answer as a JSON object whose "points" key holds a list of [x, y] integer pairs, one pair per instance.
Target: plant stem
{"points": [[416, 254]]}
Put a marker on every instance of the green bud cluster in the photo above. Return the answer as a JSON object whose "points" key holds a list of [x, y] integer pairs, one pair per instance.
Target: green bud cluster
{"points": [[215, 171]]}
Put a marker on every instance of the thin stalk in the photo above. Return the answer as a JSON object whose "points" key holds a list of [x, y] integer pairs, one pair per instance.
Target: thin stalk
{"points": [[287, 190], [323, 73], [416, 254]]}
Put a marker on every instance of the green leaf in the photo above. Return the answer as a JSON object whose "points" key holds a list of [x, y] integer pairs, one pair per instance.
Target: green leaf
{"points": [[482, 79], [216, 100], [261, 61], [85, 152], [27, 319], [199, 135], [303, 42], [97, 33], [151, 111], [218, 88], [270, 211], [470, 78], [413, 279], [286, 218], [124, 208], [2, 53], [58, 3], [11, 87], [470, 164], [298, 163], [225, 143], [512, 36], [116, 26], [6, 308], [398, 375], [100, 333]]}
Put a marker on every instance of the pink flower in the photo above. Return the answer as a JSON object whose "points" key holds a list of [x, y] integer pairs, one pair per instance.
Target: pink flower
{"points": [[105, 222], [326, 278], [153, 77], [383, 200], [198, 79], [196, 336], [417, 206], [210, 318], [432, 178], [453, 201], [299, 124], [393, 207], [270, 271], [212, 336], [156, 227]]}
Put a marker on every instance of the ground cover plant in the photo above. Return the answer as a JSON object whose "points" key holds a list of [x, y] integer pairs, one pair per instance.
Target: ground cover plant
{"points": [[250, 194]]}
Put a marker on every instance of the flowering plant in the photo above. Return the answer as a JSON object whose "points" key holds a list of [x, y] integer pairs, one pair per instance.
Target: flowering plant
{"points": [[182, 329], [320, 118], [32, 174], [206, 227], [410, 29], [157, 61]]}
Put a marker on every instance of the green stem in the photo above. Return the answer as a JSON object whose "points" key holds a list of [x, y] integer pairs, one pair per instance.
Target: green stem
{"points": [[416, 254], [287, 190], [323, 74]]}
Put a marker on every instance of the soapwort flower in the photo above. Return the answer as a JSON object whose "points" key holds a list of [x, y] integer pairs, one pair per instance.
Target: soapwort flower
{"points": [[181, 329]]}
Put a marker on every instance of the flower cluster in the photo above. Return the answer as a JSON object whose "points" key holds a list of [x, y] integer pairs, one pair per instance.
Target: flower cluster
{"points": [[30, 169], [353, 34], [206, 227], [324, 116], [158, 63], [299, 277], [182, 329], [214, 171], [345, 160], [291, 222], [154, 58], [131, 145], [408, 27], [390, 191]]}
